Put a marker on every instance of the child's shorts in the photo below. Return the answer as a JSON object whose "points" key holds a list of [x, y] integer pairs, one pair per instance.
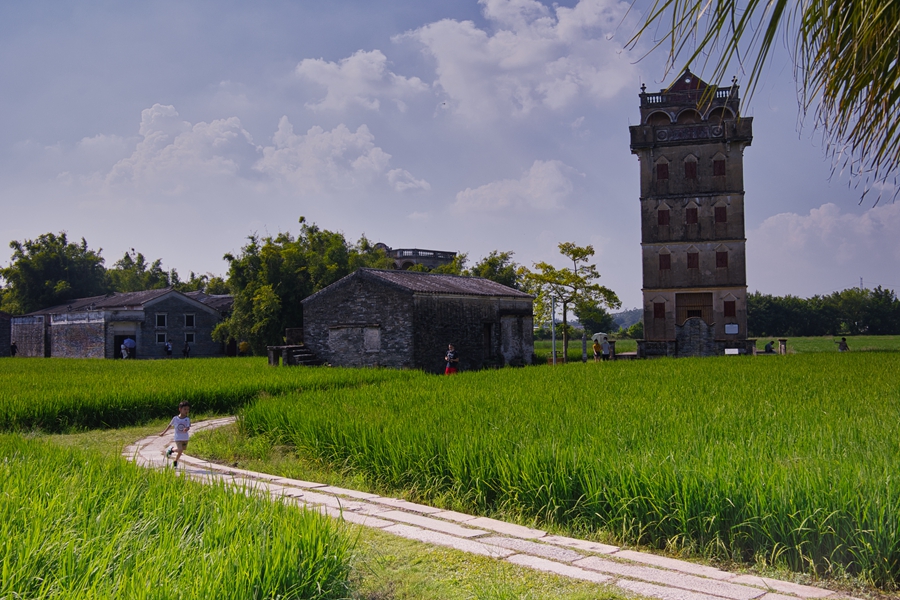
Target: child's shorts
{"points": [[181, 446]]}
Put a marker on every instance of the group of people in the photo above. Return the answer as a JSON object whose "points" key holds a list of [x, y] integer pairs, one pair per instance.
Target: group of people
{"points": [[128, 349], [601, 349]]}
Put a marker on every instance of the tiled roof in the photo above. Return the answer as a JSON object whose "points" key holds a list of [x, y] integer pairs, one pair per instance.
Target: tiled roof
{"points": [[115, 300], [219, 302], [431, 283]]}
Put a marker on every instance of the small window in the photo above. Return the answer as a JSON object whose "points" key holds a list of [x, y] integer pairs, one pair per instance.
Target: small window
{"points": [[722, 260], [189, 338], [693, 260], [730, 308], [721, 214], [659, 310], [690, 216], [160, 338], [662, 171], [719, 167], [662, 216], [188, 320], [690, 170], [665, 262], [160, 320]]}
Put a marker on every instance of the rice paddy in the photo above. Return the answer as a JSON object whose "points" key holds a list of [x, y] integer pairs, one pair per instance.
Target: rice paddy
{"points": [[76, 526], [789, 461]]}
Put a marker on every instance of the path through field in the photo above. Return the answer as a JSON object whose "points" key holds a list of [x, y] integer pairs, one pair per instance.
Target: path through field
{"points": [[638, 572]]}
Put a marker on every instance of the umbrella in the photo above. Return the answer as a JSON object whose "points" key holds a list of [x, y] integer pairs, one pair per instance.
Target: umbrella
{"points": [[599, 336], [129, 343]]}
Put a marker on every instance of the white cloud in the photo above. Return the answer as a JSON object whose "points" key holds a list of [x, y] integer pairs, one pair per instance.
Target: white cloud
{"points": [[824, 250], [545, 186], [534, 58], [339, 159], [172, 152], [361, 80], [402, 180]]}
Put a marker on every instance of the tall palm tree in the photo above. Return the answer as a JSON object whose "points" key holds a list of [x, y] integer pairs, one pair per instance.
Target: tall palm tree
{"points": [[846, 56]]}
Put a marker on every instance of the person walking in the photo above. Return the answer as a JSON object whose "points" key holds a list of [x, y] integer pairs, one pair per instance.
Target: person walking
{"points": [[604, 349], [186, 350], [13, 349], [842, 345], [597, 350], [452, 360], [182, 424], [168, 349]]}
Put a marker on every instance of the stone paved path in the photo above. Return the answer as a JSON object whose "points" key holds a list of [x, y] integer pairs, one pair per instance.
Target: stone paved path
{"points": [[642, 573]]}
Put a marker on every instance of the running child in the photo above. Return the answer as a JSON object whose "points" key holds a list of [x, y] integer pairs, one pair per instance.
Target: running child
{"points": [[182, 425]]}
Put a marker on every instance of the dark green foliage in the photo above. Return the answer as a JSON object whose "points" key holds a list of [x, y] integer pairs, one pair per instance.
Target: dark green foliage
{"points": [[594, 318], [271, 276], [51, 270], [132, 273], [853, 311], [499, 267]]}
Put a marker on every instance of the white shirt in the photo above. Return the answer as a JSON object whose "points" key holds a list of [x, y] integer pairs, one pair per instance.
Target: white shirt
{"points": [[181, 426]]}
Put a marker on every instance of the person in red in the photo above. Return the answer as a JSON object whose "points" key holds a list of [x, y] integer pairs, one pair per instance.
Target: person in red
{"points": [[452, 359]]}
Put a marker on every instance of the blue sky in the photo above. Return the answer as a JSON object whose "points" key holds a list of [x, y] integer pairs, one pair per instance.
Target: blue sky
{"points": [[179, 128]]}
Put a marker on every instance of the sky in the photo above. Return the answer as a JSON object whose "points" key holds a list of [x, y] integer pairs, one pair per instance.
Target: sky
{"points": [[179, 128]]}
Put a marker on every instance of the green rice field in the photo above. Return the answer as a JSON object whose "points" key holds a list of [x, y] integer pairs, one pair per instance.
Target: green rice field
{"points": [[789, 461], [78, 526]]}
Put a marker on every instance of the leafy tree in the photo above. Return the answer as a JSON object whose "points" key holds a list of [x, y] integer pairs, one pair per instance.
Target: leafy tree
{"points": [[499, 266], [572, 287], [51, 270], [132, 273], [594, 318], [636, 331], [845, 60], [271, 276]]}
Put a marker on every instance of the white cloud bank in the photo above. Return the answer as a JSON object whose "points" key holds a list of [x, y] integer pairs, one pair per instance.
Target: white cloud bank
{"points": [[361, 80], [175, 156], [825, 250], [543, 187], [536, 57]]}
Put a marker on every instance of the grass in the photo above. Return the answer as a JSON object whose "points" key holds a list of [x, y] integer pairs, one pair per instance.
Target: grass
{"points": [[383, 566], [788, 462], [77, 524], [62, 395]]}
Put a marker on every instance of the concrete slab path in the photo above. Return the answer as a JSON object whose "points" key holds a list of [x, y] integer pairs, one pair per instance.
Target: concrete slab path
{"points": [[636, 572]]}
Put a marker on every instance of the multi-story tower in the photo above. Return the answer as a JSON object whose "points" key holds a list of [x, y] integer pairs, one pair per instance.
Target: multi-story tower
{"points": [[690, 144]]}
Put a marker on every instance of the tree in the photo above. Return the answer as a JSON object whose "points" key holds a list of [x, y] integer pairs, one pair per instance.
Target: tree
{"points": [[49, 271], [272, 275], [594, 318], [131, 273], [499, 266], [571, 287], [845, 63]]}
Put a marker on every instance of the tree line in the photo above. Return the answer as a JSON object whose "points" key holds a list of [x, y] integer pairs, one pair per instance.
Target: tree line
{"points": [[270, 276], [853, 311]]}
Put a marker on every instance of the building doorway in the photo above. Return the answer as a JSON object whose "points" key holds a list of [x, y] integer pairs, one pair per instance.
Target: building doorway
{"points": [[696, 304], [117, 346]]}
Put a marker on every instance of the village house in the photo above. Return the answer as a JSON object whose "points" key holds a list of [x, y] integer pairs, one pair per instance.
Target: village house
{"points": [[97, 327], [407, 258], [690, 143], [405, 319]]}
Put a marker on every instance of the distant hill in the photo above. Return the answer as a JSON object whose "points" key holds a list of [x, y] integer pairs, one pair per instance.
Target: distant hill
{"points": [[627, 318]]}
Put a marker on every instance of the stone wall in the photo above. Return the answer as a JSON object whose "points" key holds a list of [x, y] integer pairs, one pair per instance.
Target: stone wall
{"points": [[5, 334], [360, 323], [77, 335], [30, 335], [696, 338], [177, 311]]}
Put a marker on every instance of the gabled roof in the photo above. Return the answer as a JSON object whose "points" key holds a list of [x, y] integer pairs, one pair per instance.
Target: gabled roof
{"points": [[115, 301], [431, 283], [686, 82], [219, 302]]}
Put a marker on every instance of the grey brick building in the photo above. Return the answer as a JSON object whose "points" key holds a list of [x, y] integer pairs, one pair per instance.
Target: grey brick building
{"points": [[406, 319], [96, 327], [690, 144]]}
